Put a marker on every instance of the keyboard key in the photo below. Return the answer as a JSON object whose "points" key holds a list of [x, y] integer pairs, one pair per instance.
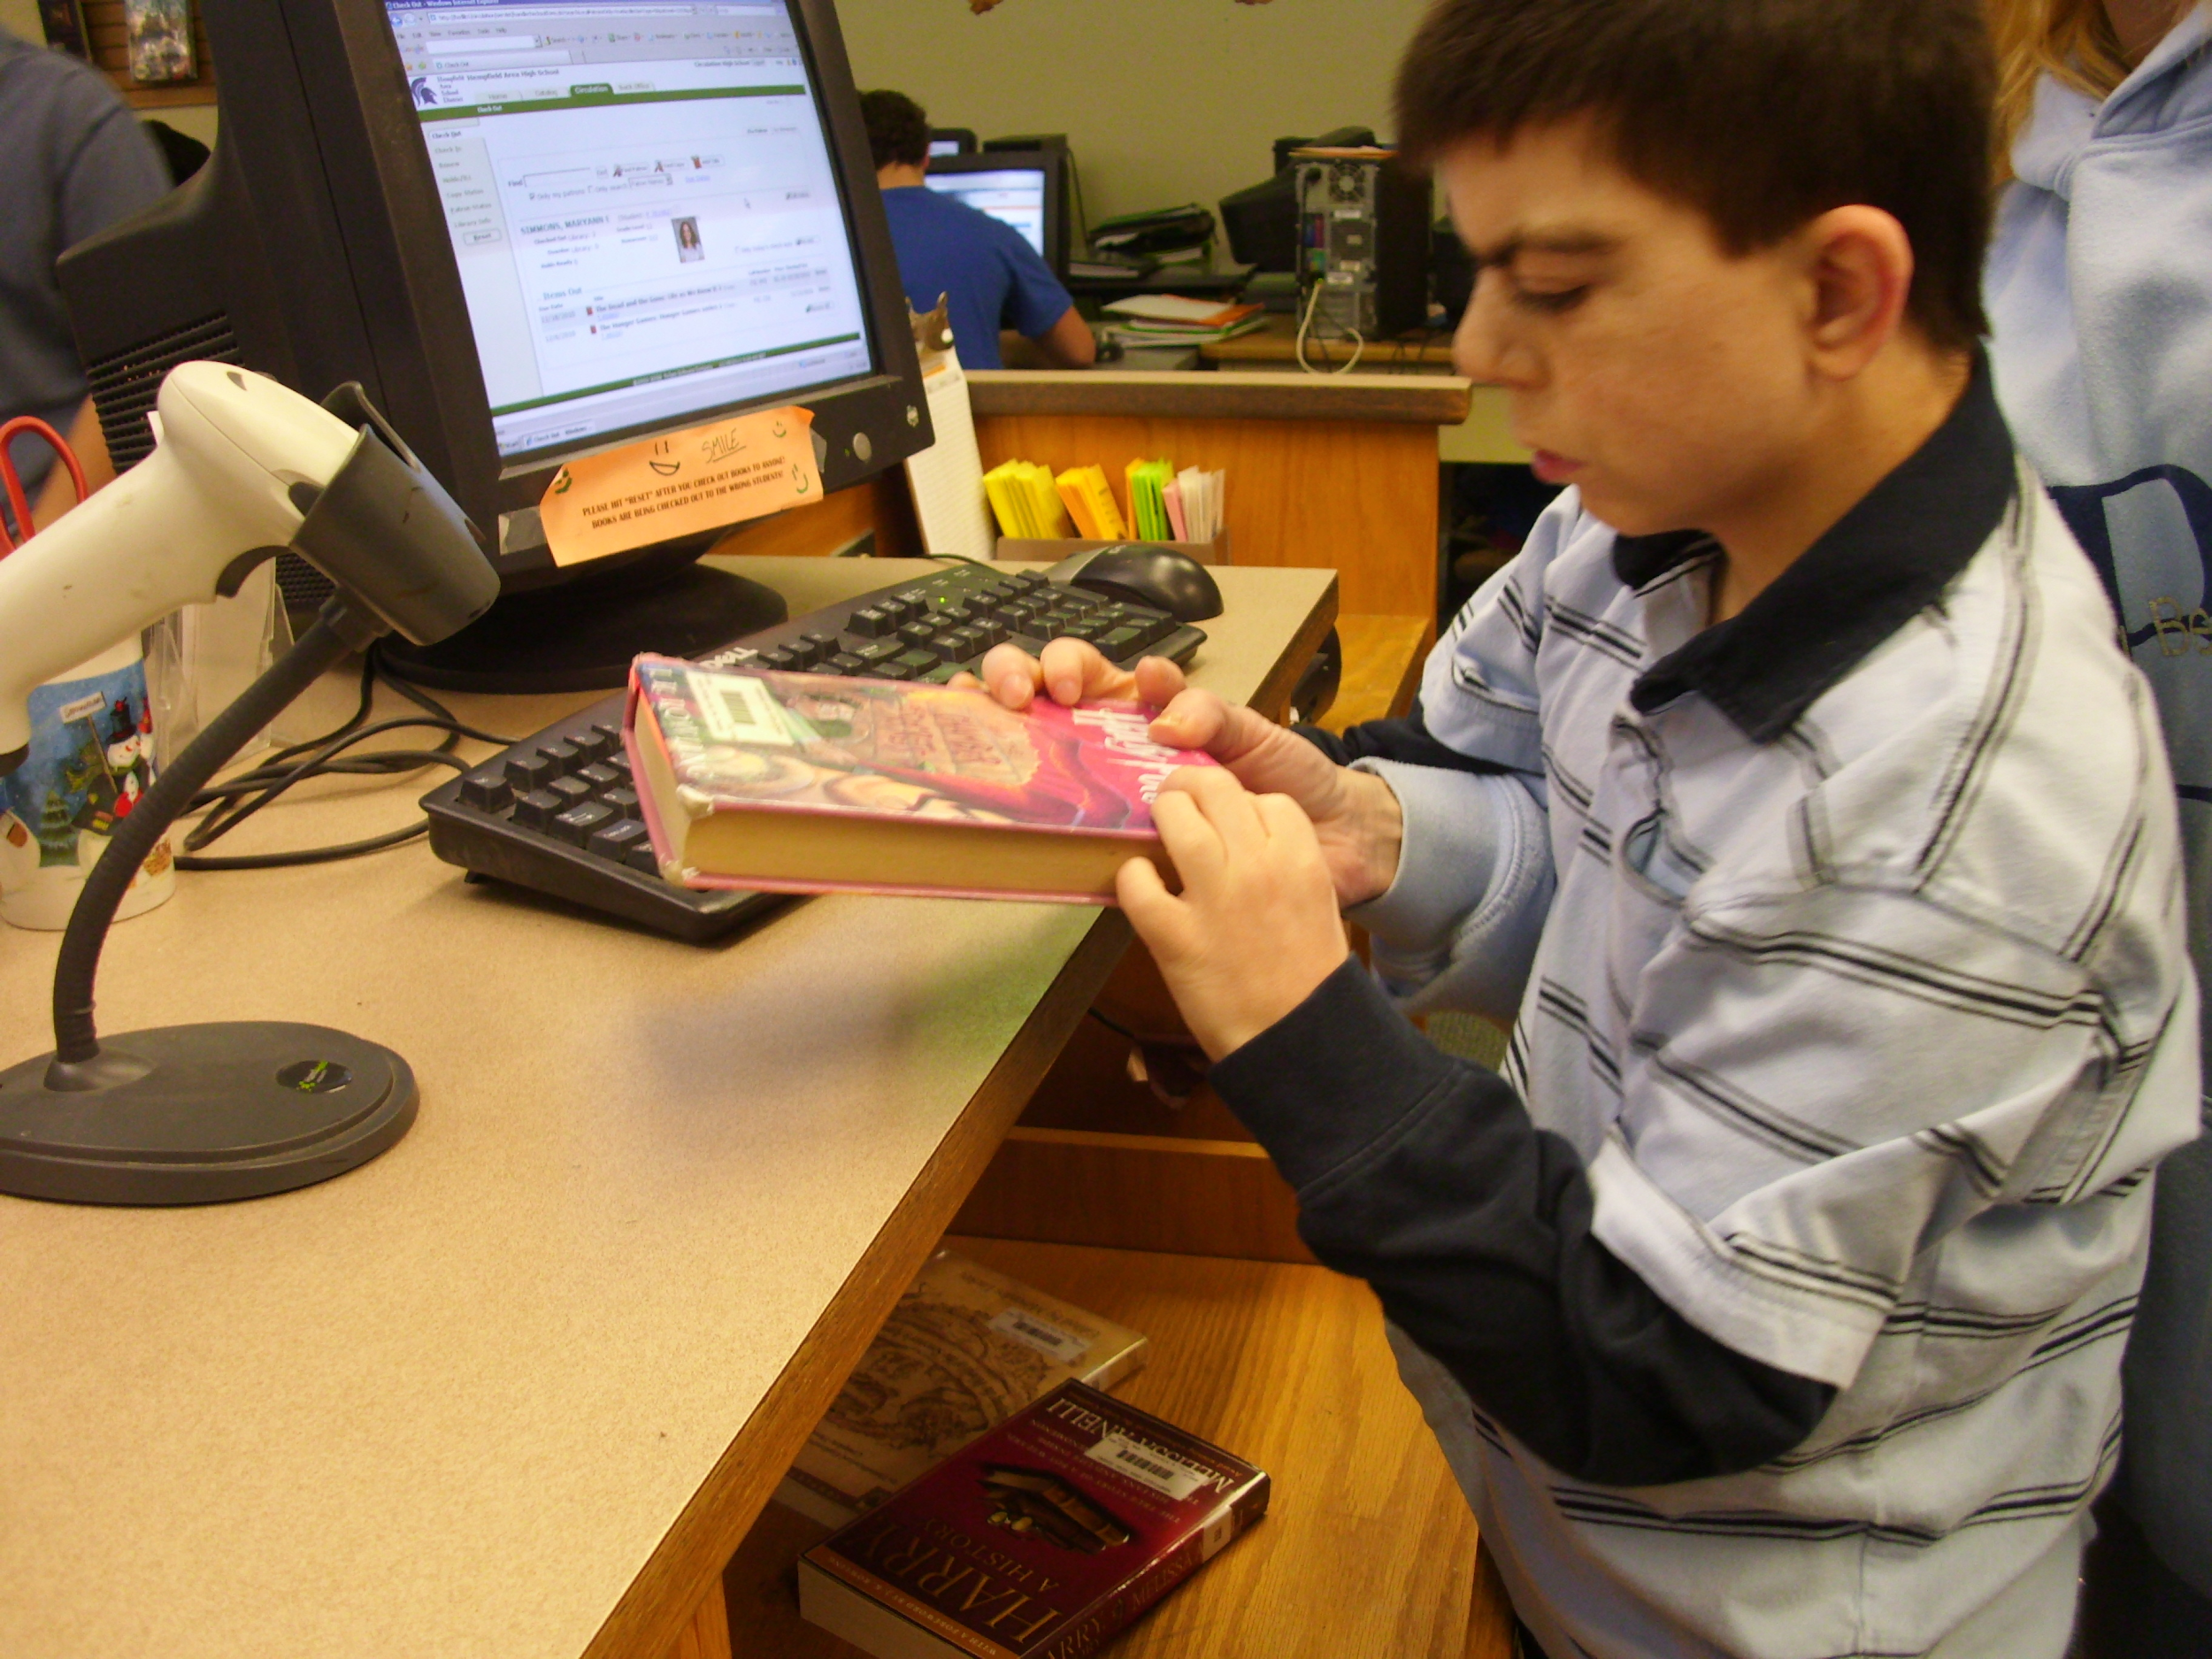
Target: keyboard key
{"points": [[600, 777], [919, 662], [892, 670], [918, 632], [578, 823], [487, 789], [593, 744], [537, 809], [870, 622], [955, 616], [615, 840], [1119, 642], [882, 651], [1029, 580], [780, 657], [966, 642], [639, 859], [564, 756], [823, 644], [612, 733], [529, 770], [846, 663], [940, 674], [620, 760], [623, 799], [572, 791]]}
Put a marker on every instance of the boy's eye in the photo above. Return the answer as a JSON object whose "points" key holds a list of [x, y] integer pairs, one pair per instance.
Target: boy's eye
{"points": [[1550, 300]]}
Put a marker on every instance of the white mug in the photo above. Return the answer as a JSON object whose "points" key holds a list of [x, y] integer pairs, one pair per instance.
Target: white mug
{"points": [[91, 762]]}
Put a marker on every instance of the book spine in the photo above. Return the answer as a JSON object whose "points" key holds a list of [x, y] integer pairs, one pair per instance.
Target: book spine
{"points": [[1114, 1613]]}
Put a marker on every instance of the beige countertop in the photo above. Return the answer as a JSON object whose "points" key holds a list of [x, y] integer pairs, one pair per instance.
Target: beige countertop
{"points": [[500, 1391]]}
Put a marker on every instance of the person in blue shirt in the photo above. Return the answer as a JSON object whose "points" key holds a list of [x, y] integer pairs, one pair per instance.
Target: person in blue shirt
{"points": [[988, 271]]}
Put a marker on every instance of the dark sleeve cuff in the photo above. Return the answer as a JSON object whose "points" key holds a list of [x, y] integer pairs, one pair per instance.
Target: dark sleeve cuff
{"points": [[1332, 1076], [1406, 739]]}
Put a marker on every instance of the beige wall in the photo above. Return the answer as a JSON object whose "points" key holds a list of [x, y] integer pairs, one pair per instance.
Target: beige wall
{"points": [[1164, 101]]}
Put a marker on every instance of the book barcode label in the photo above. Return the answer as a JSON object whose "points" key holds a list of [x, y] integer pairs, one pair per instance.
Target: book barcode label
{"points": [[1049, 1339], [739, 711], [1116, 1451]]}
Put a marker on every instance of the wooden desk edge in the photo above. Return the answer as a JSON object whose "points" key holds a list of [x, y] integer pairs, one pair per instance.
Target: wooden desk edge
{"points": [[1421, 400], [687, 1566]]}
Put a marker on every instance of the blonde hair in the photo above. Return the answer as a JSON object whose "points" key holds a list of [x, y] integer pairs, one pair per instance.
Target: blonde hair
{"points": [[2071, 40]]}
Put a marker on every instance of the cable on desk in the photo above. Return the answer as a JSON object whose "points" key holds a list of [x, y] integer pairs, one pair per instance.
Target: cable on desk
{"points": [[1359, 341], [239, 798]]}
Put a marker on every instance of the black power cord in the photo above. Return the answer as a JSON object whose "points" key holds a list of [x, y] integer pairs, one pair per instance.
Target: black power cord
{"points": [[236, 799]]}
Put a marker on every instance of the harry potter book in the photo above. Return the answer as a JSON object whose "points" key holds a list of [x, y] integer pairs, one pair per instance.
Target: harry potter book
{"points": [[802, 783], [1039, 1540], [965, 1348]]}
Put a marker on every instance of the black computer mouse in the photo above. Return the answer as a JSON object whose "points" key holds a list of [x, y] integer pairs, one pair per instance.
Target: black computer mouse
{"points": [[1145, 573]]}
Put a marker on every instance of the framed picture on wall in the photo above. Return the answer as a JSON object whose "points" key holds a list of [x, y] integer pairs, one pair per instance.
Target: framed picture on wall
{"points": [[159, 34], [63, 22]]}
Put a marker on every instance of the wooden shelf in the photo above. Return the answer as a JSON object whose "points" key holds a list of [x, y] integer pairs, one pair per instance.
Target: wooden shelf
{"points": [[1368, 1549]]}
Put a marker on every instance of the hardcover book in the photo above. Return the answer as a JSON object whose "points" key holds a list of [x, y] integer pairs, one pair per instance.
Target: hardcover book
{"points": [[965, 1348], [1039, 1540], [803, 783]]}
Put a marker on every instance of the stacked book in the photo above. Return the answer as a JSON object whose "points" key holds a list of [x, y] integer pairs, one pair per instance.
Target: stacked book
{"points": [[992, 1503], [1170, 320]]}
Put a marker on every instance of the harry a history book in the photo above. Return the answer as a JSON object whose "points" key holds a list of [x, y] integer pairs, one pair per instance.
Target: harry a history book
{"points": [[802, 783], [1039, 1540], [964, 1350]]}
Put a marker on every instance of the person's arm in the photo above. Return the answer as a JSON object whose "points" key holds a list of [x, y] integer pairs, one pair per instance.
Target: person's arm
{"points": [[1069, 342]]}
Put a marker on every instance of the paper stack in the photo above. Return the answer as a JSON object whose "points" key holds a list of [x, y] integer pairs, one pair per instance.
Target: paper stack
{"points": [[1148, 482], [1170, 320], [1193, 503], [1026, 500], [1090, 503]]}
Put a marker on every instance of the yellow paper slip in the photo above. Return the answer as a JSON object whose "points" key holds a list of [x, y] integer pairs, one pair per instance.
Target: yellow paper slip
{"points": [[720, 474], [1089, 484]]}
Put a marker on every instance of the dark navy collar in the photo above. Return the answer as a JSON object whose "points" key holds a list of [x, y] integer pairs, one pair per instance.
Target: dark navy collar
{"points": [[1879, 567]]}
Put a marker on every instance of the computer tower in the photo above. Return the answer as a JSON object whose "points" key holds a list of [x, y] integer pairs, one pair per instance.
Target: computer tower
{"points": [[1364, 240]]}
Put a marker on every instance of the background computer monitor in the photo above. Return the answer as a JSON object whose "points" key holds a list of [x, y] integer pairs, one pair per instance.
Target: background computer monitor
{"points": [[1024, 189], [479, 213], [952, 141]]}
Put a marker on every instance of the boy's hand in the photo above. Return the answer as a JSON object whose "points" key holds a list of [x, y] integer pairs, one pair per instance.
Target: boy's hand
{"points": [[1354, 815], [1255, 927]]}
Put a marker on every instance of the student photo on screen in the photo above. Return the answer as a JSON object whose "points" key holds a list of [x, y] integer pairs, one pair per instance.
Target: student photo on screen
{"points": [[687, 247]]}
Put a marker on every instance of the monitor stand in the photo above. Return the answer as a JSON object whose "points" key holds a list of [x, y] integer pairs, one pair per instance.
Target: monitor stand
{"points": [[580, 635]]}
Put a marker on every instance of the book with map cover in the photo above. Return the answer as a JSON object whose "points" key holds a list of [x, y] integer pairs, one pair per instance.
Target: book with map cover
{"points": [[964, 1349], [1039, 1540], [806, 783]]}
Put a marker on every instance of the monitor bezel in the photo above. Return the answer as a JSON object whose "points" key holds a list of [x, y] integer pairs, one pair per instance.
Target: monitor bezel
{"points": [[885, 403], [1051, 162]]}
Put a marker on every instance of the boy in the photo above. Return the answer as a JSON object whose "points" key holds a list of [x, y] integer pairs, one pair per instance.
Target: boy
{"points": [[1792, 786]]}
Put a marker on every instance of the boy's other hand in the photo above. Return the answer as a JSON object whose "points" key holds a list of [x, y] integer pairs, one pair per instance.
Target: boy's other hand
{"points": [[1355, 816], [1254, 929]]}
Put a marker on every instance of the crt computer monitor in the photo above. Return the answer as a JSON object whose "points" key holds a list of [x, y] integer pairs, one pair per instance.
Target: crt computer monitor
{"points": [[531, 229], [952, 141], [1021, 187]]}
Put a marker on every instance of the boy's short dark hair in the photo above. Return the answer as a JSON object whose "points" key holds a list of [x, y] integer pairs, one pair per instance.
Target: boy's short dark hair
{"points": [[1762, 114], [898, 128]]}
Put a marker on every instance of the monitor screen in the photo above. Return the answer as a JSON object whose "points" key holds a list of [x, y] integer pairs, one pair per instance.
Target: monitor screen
{"points": [[1013, 196], [946, 147], [642, 204]]}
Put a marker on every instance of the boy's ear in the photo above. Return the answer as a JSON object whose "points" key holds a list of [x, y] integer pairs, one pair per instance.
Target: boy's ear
{"points": [[1858, 265]]}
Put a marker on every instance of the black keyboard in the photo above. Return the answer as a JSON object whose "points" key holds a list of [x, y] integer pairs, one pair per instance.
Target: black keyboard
{"points": [[558, 812]]}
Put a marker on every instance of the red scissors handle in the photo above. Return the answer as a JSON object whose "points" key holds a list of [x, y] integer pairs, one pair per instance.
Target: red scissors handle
{"points": [[17, 502]]}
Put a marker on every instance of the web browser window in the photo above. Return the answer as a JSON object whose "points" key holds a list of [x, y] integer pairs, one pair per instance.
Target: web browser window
{"points": [[1012, 196], [643, 205]]}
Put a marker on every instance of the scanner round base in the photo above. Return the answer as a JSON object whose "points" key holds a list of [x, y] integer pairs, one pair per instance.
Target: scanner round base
{"points": [[202, 1114]]}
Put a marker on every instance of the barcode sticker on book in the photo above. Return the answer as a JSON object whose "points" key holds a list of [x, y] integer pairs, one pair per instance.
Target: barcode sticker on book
{"points": [[739, 711], [1116, 1451], [1048, 1340]]}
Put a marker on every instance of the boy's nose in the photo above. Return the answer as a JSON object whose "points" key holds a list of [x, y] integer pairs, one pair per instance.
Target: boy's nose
{"points": [[1482, 348]]}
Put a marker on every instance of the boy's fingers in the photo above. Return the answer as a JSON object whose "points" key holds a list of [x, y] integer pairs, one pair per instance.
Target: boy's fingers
{"points": [[1191, 840], [1074, 669], [1152, 910], [1192, 719], [1226, 803], [1286, 823], [1012, 675], [1159, 681]]}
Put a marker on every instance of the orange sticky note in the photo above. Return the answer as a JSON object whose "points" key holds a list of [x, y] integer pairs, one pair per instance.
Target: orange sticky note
{"points": [[720, 474]]}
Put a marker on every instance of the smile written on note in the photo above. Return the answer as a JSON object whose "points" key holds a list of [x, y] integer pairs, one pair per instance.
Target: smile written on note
{"points": [[709, 476]]}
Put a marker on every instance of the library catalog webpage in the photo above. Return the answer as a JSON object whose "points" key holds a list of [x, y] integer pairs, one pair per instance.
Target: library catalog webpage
{"points": [[643, 206]]}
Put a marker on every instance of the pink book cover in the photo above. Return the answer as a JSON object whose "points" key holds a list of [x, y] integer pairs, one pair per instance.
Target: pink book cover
{"points": [[759, 740]]}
